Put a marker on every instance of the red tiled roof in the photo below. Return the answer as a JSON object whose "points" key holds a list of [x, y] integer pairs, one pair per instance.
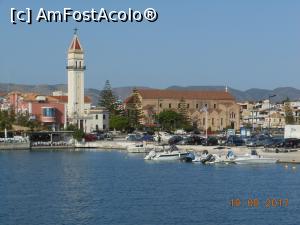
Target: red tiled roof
{"points": [[185, 94], [75, 44], [64, 98]]}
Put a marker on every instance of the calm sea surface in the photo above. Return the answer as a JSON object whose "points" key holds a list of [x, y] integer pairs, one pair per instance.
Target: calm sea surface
{"points": [[113, 187]]}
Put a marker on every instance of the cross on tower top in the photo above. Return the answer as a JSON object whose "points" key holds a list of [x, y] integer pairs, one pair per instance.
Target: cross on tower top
{"points": [[75, 30]]}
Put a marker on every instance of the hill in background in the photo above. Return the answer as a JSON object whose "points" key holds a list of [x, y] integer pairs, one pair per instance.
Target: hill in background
{"points": [[253, 94]]}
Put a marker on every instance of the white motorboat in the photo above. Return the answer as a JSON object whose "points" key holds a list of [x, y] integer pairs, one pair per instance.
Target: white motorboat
{"points": [[199, 158], [206, 158], [254, 158], [170, 154]]}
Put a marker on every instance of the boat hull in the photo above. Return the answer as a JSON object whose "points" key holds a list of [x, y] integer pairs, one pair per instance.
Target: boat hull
{"points": [[168, 157]]}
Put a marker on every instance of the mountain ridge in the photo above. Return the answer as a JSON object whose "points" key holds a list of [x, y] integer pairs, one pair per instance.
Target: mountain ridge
{"points": [[251, 94]]}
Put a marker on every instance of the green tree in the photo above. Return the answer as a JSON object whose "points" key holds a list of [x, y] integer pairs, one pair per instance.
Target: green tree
{"points": [[134, 110], [289, 117], [170, 120], [119, 122], [183, 110], [78, 134], [107, 99], [6, 120]]}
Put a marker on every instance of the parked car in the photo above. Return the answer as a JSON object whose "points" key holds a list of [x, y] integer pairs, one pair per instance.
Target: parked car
{"points": [[234, 141], [210, 141], [191, 140], [274, 142], [90, 137], [134, 137], [147, 137], [175, 139], [291, 143], [258, 141]]}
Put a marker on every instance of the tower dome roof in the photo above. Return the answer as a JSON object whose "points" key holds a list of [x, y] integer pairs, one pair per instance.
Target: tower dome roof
{"points": [[75, 44]]}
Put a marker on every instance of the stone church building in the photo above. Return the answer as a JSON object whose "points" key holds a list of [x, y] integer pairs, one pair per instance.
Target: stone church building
{"points": [[222, 109]]}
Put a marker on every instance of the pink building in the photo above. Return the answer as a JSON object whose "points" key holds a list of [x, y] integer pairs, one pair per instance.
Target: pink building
{"points": [[51, 111]]}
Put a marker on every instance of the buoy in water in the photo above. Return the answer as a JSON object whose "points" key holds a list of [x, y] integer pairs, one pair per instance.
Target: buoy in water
{"points": [[286, 166], [294, 167]]}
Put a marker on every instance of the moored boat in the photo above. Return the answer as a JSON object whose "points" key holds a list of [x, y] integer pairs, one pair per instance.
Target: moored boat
{"points": [[169, 154], [254, 158]]}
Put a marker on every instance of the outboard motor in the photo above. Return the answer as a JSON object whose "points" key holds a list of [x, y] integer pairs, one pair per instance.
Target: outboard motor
{"points": [[190, 157], [150, 155], [208, 158], [205, 152], [230, 155]]}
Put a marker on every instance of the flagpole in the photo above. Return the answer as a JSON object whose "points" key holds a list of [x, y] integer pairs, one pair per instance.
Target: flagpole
{"points": [[206, 124], [206, 116]]}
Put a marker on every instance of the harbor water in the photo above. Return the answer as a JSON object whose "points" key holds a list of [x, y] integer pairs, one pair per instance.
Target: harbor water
{"points": [[114, 187]]}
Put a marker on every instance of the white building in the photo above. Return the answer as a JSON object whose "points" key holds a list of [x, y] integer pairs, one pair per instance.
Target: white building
{"points": [[97, 120]]}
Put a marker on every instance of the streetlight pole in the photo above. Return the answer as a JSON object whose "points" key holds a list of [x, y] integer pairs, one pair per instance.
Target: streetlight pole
{"points": [[204, 109], [206, 123], [270, 96]]}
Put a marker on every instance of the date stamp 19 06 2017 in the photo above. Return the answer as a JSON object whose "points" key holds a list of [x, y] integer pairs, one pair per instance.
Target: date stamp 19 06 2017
{"points": [[256, 202]]}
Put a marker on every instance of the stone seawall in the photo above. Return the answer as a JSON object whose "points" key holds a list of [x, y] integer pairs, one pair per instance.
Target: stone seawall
{"points": [[14, 146]]}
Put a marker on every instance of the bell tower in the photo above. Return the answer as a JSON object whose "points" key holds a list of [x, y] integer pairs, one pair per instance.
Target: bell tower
{"points": [[75, 69]]}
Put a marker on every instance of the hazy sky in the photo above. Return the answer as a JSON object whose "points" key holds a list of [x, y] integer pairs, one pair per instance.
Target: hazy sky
{"points": [[242, 44]]}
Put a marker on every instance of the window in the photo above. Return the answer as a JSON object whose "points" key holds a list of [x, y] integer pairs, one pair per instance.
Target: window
{"points": [[104, 126], [213, 121], [197, 106], [170, 106], [206, 105], [97, 127], [178, 105], [215, 106], [79, 64], [160, 105], [75, 64], [48, 112], [187, 106], [221, 121], [104, 116], [96, 117], [203, 121]]}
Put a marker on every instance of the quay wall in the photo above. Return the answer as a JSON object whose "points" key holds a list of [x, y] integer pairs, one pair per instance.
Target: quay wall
{"points": [[286, 157], [14, 146]]}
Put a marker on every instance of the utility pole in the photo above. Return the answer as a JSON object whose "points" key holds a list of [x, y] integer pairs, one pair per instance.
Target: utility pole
{"points": [[270, 96]]}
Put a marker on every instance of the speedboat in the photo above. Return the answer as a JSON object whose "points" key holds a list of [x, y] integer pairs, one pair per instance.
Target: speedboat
{"points": [[215, 158], [254, 158], [200, 157], [170, 154]]}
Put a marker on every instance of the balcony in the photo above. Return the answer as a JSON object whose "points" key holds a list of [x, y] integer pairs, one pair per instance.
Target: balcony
{"points": [[48, 114], [75, 68], [47, 119]]}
